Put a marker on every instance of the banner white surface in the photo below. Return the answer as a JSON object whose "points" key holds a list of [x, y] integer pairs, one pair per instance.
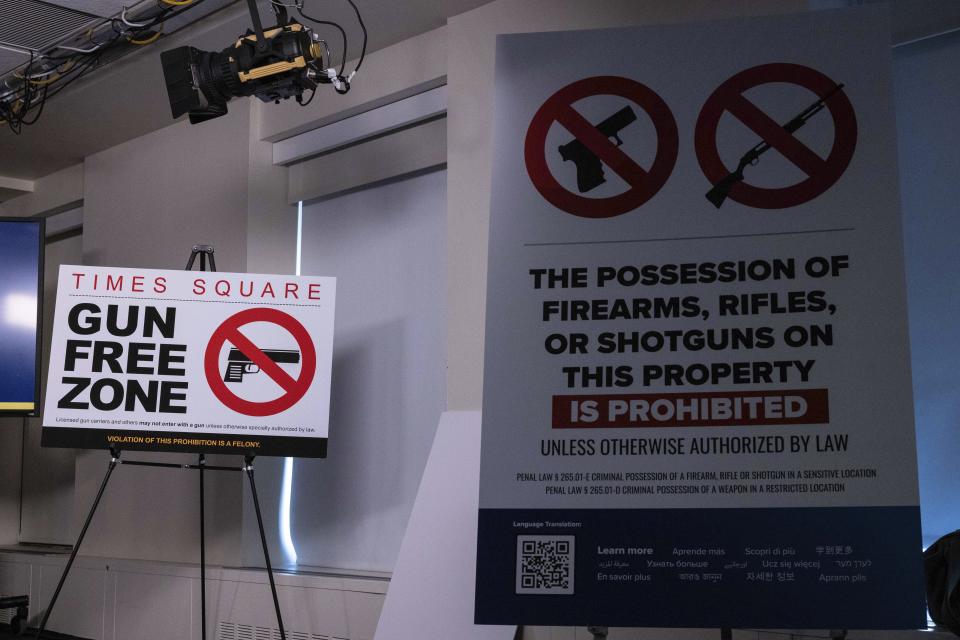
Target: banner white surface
{"points": [[696, 330], [171, 360]]}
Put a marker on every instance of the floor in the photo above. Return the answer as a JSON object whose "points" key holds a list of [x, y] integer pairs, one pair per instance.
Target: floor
{"points": [[28, 635]]}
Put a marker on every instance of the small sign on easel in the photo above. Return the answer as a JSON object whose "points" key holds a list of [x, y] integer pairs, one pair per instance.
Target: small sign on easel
{"points": [[203, 362], [124, 376]]}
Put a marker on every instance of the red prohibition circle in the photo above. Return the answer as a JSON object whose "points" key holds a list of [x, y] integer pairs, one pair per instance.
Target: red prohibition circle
{"points": [[821, 174], [294, 388], [644, 184]]}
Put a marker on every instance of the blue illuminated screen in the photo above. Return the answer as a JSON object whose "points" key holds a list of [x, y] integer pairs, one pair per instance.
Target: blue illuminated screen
{"points": [[20, 256]]}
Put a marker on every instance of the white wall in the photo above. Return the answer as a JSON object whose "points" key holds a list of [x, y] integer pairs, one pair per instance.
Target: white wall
{"points": [[146, 203], [48, 474], [389, 74], [136, 600], [54, 193], [11, 435], [148, 200], [385, 246], [927, 91]]}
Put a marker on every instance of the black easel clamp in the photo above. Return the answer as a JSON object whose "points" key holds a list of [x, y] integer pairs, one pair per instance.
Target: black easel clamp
{"points": [[205, 251]]}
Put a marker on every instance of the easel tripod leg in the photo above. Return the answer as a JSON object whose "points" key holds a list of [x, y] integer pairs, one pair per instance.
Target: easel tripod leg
{"points": [[263, 540], [114, 459], [204, 251], [203, 556]]}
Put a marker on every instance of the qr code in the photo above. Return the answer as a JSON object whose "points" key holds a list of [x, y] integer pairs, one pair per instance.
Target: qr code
{"points": [[545, 564]]}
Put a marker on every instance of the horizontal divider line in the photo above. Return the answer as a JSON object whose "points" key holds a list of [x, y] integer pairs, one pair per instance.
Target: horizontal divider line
{"points": [[677, 239]]}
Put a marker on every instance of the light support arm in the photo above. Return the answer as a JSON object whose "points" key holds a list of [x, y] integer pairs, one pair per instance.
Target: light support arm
{"points": [[257, 26]]}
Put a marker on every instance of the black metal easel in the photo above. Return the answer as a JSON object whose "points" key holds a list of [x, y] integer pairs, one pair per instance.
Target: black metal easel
{"points": [[206, 253]]}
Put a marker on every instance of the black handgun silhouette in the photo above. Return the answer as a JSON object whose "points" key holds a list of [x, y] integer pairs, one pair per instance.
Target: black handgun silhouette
{"points": [[589, 167], [239, 364]]}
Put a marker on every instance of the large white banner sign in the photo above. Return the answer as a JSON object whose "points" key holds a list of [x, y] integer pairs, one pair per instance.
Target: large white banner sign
{"points": [[697, 397], [167, 360]]}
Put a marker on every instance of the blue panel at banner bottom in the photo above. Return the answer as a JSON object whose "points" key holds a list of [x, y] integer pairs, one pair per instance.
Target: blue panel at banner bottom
{"points": [[814, 568]]}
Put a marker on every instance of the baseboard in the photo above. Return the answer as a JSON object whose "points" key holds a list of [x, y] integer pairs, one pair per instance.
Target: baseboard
{"points": [[110, 599]]}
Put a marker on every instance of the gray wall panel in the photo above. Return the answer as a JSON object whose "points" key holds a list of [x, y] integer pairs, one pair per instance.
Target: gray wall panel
{"points": [[48, 474], [146, 203], [927, 91], [385, 245]]}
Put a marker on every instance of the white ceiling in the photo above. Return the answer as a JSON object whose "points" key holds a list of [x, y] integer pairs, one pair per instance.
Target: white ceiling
{"points": [[10, 59], [37, 25], [110, 105], [128, 98], [102, 8]]}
